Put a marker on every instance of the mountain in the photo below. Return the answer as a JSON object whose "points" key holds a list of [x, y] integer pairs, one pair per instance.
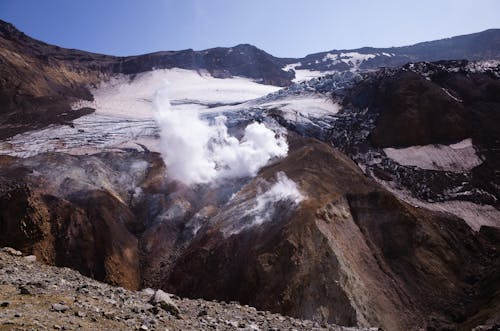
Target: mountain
{"points": [[477, 46], [362, 197], [61, 76], [40, 81]]}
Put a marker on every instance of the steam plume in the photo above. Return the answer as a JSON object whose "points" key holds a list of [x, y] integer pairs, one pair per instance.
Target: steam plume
{"points": [[198, 152]]}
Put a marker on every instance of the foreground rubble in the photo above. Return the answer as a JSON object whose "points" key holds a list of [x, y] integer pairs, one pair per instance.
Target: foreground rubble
{"points": [[34, 296]]}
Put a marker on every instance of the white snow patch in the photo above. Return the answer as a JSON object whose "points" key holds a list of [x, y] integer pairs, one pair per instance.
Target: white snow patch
{"points": [[331, 56], [125, 97], [457, 157], [355, 58], [481, 66], [90, 134], [291, 66], [302, 75]]}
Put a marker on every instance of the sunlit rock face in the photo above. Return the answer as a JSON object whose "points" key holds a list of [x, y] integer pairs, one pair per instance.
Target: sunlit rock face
{"points": [[356, 197]]}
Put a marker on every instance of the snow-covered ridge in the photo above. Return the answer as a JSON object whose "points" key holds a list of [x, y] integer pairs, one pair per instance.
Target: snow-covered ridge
{"points": [[352, 59]]}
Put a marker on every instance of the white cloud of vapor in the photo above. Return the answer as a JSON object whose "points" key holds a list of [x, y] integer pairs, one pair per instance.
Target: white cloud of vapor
{"points": [[270, 204], [198, 152], [284, 189]]}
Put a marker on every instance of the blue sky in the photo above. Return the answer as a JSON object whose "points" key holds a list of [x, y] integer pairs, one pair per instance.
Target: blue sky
{"points": [[281, 27]]}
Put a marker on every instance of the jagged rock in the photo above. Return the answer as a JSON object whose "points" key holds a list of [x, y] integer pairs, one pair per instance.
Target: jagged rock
{"points": [[164, 300], [12, 251], [25, 290], [30, 258], [59, 307], [80, 314]]}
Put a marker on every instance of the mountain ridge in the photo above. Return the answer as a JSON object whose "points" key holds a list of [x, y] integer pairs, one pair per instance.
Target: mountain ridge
{"points": [[63, 76]]}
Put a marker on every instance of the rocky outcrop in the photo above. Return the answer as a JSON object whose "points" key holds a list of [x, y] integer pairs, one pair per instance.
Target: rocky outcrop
{"points": [[351, 254], [73, 221]]}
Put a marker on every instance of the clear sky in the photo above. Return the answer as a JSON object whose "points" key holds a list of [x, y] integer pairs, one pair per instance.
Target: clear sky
{"points": [[291, 28]]}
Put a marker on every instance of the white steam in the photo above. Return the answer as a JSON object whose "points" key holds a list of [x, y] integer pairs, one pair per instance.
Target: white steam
{"points": [[271, 204], [284, 189], [197, 152]]}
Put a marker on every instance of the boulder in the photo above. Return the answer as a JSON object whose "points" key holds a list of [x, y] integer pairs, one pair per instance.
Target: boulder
{"points": [[164, 300]]}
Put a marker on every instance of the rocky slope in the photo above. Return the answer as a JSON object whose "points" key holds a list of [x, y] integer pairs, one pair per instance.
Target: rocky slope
{"points": [[62, 299], [351, 254]]}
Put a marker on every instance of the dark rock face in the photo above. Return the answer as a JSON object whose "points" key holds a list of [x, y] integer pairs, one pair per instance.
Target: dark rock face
{"points": [[417, 112], [351, 253], [441, 264], [318, 262], [39, 82], [441, 106], [286, 260], [242, 60], [88, 238], [85, 229]]}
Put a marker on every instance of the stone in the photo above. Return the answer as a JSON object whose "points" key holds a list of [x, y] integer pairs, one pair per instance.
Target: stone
{"points": [[164, 300], [83, 288], [148, 291], [59, 307], [30, 258], [12, 251], [4, 304], [24, 290], [80, 314]]}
